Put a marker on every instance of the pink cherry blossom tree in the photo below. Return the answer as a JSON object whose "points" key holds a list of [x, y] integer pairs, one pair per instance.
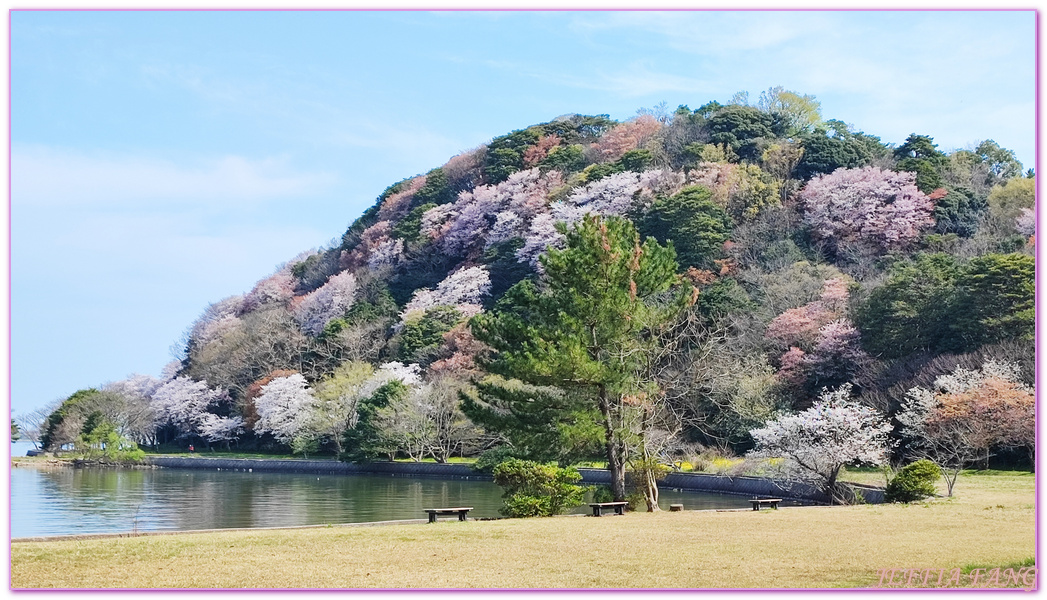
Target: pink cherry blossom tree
{"points": [[278, 288], [837, 354], [824, 346], [534, 154], [880, 209], [801, 326]]}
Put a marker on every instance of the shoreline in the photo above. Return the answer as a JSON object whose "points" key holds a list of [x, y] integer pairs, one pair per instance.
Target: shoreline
{"points": [[749, 486]]}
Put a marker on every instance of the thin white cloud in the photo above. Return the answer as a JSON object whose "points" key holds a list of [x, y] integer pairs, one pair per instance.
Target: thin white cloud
{"points": [[639, 80], [327, 108], [713, 33], [43, 175], [636, 79]]}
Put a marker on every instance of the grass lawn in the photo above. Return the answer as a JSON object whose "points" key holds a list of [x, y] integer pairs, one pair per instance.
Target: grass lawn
{"points": [[989, 523]]}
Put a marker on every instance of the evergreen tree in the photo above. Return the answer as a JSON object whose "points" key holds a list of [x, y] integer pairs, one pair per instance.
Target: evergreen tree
{"points": [[919, 154], [995, 300], [542, 424], [692, 222], [912, 310], [587, 331]]}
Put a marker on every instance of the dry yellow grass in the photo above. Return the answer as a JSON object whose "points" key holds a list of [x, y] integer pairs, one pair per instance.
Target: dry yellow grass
{"points": [[990, 523]]}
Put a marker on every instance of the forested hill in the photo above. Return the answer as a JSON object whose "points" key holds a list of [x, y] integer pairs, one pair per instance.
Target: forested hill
{"points": [[812, 255]]}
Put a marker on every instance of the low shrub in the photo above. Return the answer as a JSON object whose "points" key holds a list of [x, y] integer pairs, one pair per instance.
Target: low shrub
{"points": [[535, 490], [635, 500], [526, 506], [913, 482], [602, 493]]}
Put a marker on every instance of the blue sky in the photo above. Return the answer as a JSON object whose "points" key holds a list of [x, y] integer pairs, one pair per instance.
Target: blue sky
{"points": [[165, 160]]}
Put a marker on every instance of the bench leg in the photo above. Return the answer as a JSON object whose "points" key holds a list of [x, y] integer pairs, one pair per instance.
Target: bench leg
{"points": [[432, 517], [756, 506], [461, 515], [596, 511], [619, 510]]}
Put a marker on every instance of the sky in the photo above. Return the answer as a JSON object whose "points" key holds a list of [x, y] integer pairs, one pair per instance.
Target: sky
{"points": [[161, 161]]}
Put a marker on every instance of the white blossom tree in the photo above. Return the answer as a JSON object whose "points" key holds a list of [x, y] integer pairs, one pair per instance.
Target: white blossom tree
{"points": [[217, 319], [1026, 222], [466, 286], [385, 254], [614, 195], [507, 225], [325, 303], [214, 428], [464, 226], [409, 375], [403, 425], [138, 415], [281, 407], [436, 221], [541, 235], [819, 441], [967, 415], [427, 421], [182, 403]]}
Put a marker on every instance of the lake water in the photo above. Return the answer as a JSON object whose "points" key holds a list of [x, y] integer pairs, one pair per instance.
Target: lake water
{"points": [[65, 501]]}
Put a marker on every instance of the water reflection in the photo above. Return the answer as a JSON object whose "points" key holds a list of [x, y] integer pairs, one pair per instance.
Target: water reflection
{"points": [[63, 501]]}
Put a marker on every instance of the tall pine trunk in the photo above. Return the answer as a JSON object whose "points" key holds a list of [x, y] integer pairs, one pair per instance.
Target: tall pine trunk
{"points": [[616, 450]]}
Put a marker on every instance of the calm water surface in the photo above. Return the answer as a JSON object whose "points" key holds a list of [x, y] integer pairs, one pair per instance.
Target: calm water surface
{"points": [[65, 501]]}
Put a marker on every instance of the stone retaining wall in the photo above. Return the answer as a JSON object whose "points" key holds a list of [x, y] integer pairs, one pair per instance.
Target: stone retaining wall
{"points": [[697, 482], [330, 467]]}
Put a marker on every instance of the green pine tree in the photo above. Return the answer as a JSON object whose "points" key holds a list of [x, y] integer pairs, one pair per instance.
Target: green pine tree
{"points": [[591, 326]]}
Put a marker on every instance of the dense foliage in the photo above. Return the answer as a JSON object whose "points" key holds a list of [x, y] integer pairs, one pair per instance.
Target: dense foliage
{"points": [[532, 489], [915, 481], [641, 292]]}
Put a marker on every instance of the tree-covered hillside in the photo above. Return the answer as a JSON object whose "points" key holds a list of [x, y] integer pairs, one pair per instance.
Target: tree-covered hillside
{"points": [[737, 260]]}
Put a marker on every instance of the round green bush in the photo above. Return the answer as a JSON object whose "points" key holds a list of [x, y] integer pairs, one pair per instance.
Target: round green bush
{"points": [[914, 482], [531, 489]]}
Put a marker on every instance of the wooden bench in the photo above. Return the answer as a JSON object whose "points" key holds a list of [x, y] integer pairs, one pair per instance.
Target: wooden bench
{"points": [[772, 502], [619, 507], [461, 511]]}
